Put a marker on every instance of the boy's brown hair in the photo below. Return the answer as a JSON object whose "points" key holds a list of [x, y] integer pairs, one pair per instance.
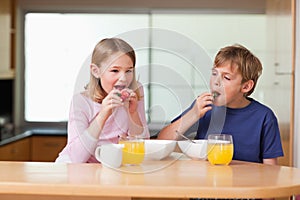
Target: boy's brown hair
{"points": [[247, 64]]}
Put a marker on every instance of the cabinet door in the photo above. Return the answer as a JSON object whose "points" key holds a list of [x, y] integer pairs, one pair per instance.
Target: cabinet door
{"points": [[5, 22], [46, 148], [16, 151]]}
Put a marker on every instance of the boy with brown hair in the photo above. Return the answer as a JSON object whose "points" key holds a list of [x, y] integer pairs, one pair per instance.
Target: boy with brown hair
{"points": [[228, 109]]}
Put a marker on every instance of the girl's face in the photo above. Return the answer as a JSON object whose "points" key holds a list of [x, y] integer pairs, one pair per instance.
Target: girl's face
{"points": [[226, 81], [117, 71]]}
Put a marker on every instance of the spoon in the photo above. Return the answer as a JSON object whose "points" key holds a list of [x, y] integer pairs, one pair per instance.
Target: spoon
{"points": [[180, 134], [215, 95]]}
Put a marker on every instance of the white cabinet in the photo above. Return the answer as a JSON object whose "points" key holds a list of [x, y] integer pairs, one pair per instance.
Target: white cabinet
{"points": [[5, 40]]}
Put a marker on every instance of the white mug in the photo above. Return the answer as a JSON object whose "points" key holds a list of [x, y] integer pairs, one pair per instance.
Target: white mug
{"points": [[109, 155]]}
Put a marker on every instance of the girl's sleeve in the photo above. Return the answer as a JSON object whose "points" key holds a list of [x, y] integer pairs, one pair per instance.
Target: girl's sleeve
{"points": [[142, 114], [81, 145]]}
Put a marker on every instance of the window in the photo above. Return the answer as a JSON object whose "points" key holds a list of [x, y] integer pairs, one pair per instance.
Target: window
{"points": [[174, 56], [57, 53]]}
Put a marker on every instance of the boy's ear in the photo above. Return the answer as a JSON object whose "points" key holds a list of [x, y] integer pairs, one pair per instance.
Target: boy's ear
{"points": [[95, 70], [247, 86]]}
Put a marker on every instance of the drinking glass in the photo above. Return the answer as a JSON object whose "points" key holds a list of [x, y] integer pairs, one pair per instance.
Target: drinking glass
{"points": [[219, 149], [133, 150]]}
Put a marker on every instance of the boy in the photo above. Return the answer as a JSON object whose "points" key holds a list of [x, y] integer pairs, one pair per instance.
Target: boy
{"points": [[229, 109]]}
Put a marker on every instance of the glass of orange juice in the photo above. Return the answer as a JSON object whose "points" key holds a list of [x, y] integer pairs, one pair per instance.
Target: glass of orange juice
{"points": [[219, 149], [133, 150]]}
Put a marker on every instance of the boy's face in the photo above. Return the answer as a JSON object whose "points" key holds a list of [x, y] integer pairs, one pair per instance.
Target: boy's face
{"points": [[226, 81]]}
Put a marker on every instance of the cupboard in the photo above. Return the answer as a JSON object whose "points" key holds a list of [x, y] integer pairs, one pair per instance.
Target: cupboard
{"points": [[34, 148], [6, 71], [46, 148], [16, 151]]}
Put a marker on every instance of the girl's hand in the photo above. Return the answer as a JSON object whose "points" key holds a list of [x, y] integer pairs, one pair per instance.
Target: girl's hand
{"points": [[133, 102], [130, 100], [203, 104], [111, 101]]}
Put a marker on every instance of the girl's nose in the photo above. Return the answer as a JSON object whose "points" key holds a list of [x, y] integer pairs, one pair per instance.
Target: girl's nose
{"points": [[122, 77]]}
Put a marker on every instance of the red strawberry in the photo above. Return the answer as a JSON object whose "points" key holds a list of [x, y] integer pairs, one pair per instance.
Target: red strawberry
{"points": [[124, 95]]}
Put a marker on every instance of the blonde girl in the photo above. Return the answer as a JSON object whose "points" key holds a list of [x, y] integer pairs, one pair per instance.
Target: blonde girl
{"points": [[111, 105]]}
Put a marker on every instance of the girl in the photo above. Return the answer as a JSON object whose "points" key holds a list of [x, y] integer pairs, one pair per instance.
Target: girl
{"points": [[111, 105]]}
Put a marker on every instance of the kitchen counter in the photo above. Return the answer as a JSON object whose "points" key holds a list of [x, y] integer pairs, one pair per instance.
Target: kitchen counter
{"points": [[21, 133]]}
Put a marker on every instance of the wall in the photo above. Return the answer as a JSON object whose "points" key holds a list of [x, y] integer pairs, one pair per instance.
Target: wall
{"points": [[92, 5], [297, 90], [230, 6], [272, 83]]}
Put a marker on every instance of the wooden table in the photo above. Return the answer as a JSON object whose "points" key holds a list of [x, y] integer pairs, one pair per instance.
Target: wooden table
{"points": [[175, 177]]}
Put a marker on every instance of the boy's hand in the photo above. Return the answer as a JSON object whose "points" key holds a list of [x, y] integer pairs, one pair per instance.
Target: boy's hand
{"points": [[203, 104]]}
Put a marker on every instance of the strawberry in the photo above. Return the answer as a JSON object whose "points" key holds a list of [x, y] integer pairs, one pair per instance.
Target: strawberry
{"points": [[124, 95]]}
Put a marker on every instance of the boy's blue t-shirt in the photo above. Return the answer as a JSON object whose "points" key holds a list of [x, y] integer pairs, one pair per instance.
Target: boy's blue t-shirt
{"points": [[254, 129]]}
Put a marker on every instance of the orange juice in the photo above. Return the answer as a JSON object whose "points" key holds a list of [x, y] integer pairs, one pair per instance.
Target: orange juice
{"points": [[220, 153], [133, 152]]}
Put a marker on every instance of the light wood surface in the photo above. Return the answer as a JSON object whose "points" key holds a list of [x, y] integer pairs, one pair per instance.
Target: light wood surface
{"points": [[175, 177]]}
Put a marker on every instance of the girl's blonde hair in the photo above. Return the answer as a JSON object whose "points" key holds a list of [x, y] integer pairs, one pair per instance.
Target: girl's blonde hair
{"points": [[102, 52], [247, 64]]}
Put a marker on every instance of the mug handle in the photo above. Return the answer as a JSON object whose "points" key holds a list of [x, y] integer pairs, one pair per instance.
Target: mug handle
{"points": [[97, 153]]}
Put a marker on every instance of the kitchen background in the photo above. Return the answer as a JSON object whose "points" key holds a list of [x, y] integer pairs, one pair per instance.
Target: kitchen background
{"points": [[28, 63]]}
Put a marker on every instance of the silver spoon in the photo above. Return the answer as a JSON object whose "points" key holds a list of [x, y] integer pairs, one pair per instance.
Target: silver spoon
{"points": [[180, 134], [215, 95]]}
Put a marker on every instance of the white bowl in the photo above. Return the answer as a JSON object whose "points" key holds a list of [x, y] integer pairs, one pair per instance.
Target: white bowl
{"points": [[158, 149], [194, 150]]}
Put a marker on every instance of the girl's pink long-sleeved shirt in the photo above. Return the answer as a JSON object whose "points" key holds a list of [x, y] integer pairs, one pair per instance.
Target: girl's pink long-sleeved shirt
{"points": [[81, 145]]}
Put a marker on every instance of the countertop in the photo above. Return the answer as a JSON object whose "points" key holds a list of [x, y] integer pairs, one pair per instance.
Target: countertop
{"points": [[20, 133], [23, 132]]}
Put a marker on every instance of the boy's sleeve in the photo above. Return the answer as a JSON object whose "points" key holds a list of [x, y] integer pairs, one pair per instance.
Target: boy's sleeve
{"points": [[271, 142]]}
